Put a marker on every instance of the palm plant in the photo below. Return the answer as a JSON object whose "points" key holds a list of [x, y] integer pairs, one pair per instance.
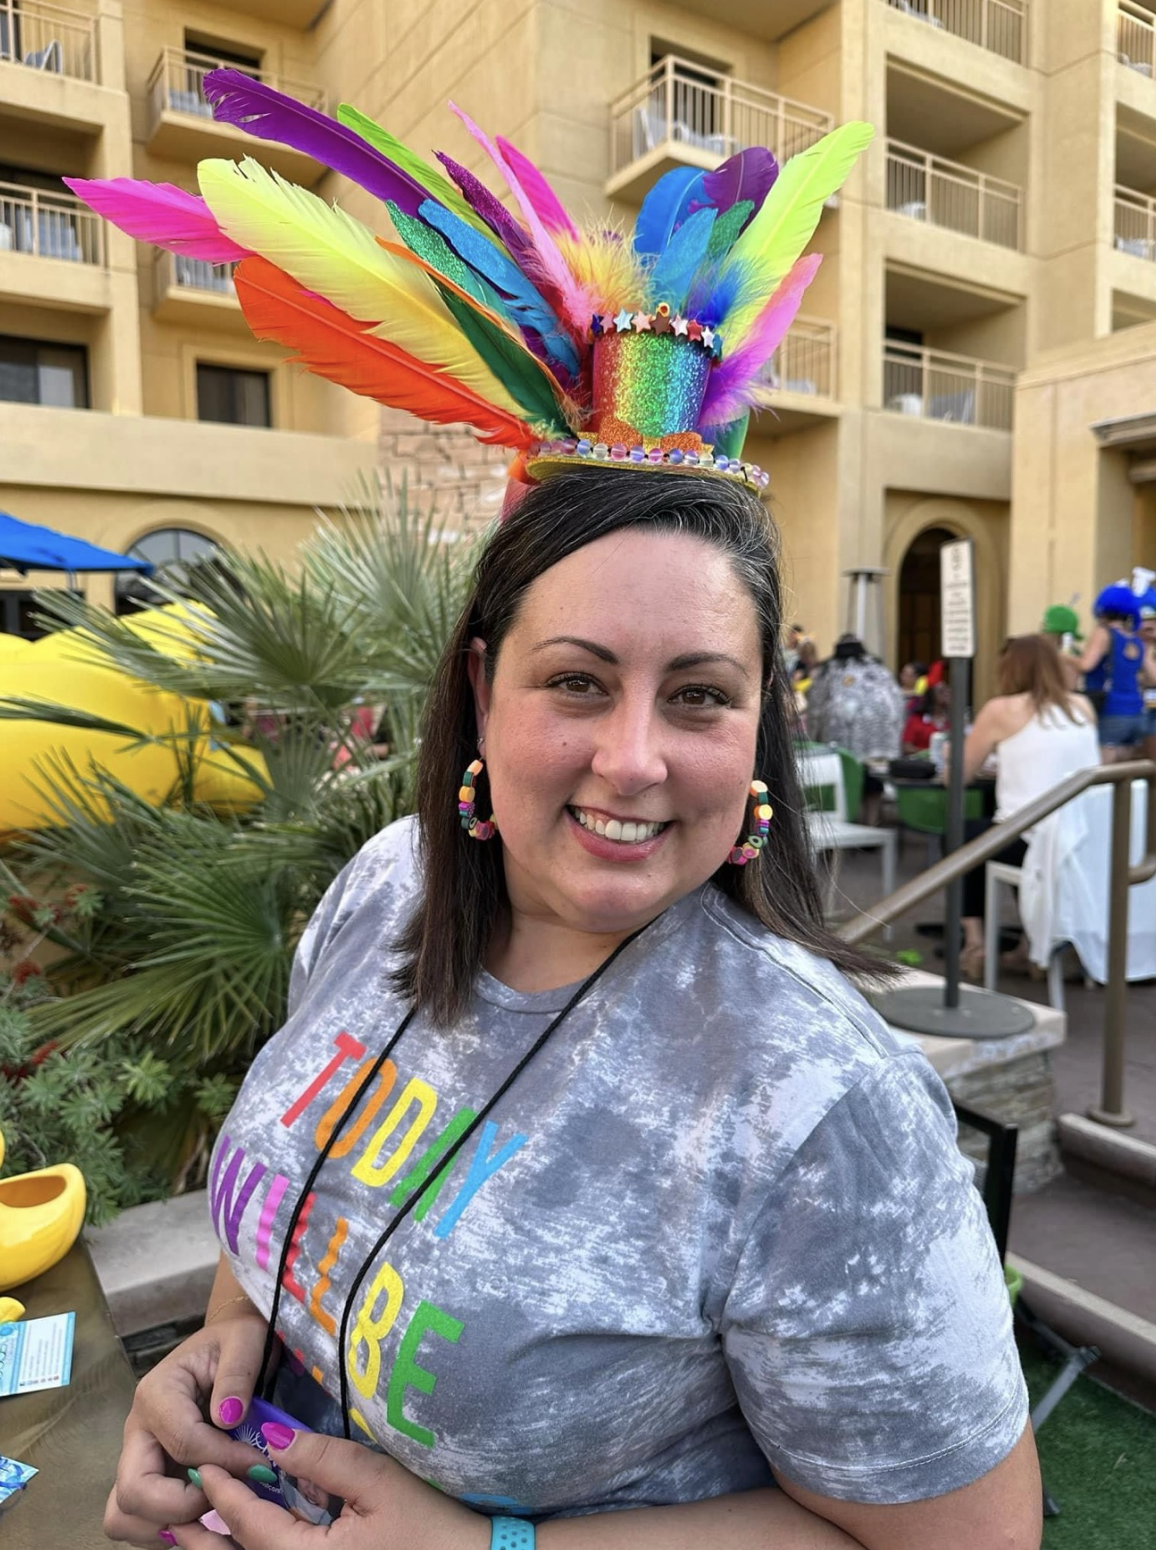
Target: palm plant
{"points": [[187, 959]]}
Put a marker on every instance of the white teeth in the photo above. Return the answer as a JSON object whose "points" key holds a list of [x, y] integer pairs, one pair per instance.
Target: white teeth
{"points": [[628, 833]]}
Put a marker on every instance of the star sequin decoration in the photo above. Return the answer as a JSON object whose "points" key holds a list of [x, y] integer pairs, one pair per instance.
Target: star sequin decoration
{"points": [[708, 338], [662, 323], [694, 330], [622, 322], [680, 326], [642, 322]]}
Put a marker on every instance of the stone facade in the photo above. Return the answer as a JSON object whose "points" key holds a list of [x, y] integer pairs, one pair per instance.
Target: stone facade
{"points": [[445, 467]]}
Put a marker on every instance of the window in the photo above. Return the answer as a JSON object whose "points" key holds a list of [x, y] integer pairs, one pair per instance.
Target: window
{"points": [[16, 615], [244, 59], [33, 371], [233, 397], [172, 550]]}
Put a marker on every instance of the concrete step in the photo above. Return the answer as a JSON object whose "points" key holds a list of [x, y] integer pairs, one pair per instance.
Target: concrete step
{"points": [[1110, 1159], [156, 1262], [1124, 1339]]}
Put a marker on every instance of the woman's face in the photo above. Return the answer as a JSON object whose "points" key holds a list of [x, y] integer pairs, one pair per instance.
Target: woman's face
{"points": [[620, 728]]}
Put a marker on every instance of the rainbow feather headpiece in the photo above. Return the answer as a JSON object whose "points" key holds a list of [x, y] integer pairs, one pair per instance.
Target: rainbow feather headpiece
{"points": [[561, 343]]}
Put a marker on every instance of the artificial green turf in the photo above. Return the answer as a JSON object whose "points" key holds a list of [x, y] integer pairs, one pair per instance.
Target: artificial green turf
{"points": [[1098, 1456]]}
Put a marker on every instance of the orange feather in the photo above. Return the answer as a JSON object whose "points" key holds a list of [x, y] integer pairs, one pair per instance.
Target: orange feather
{"points": [[333, 345]]}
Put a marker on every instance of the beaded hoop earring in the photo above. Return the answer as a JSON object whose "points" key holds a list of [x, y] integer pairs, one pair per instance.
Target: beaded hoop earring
{"points": [[476, 828], [761, 814]]}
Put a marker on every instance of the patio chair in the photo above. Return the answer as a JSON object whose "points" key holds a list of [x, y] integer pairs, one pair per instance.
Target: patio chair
{"points": [[829, 827], [995, 873], [50, 57], [998, 1186]]}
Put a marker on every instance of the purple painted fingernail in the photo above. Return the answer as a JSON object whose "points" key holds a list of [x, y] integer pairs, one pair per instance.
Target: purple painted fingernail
{"points": [[166, 1538], [230, 1411], [277, 1436]]}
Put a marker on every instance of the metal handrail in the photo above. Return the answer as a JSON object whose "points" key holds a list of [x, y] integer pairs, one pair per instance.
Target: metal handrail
{"points": [[929, 188], [1123, 876]]}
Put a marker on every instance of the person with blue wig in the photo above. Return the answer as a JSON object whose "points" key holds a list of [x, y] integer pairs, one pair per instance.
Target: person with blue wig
{"points": [[1112, 662]]}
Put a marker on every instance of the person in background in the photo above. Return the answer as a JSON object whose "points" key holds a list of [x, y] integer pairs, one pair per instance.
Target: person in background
{"points": [[1111, 664], [1061, 625], [803, 675], [1041, 733], [855, 703], [913, 682], [796, 635], [1148, 671], [931, 714]]}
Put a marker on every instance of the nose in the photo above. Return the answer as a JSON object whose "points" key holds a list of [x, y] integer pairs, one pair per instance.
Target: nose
{"points": [[629, 755]]}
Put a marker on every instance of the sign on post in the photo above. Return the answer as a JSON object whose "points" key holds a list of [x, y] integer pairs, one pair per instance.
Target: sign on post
{"points": [[957, 599]]}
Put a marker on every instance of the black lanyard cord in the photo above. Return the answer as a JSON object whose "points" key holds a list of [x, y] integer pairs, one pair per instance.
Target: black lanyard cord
{"points": [[371, 1075], [445, 1162]]}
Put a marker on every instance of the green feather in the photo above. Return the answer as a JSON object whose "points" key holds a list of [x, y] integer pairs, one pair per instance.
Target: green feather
{"points": [[440, 187], [433, 248], [726, 229], [777, 235], [509, 360]]}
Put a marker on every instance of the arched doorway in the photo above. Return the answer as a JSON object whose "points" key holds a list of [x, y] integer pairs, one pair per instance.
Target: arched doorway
{"points": [[918, 614]]}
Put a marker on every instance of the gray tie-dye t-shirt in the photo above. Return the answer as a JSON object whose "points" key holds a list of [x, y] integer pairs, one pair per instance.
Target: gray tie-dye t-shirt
{"points": [[719, 1223]]}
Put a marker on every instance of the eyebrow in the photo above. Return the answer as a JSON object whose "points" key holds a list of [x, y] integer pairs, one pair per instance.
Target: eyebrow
{"points": [[676, 664]]}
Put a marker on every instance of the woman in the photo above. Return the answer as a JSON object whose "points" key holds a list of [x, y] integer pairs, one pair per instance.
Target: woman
{"points": [[1041, 733], [855, 703], [579, 1179], [932, 714], [716, 1236], [1112, 663]]}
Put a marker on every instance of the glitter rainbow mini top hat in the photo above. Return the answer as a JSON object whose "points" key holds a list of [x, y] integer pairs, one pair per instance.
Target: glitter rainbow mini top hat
{"points": [[565, 344]]}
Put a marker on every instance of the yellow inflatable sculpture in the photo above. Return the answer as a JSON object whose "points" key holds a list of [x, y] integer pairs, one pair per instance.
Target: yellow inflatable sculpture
{"points": [[40, 1216], [65, 669]]}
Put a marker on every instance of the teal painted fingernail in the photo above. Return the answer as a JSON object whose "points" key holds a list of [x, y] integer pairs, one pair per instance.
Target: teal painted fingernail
{"points": [[262, 1474], [195, 1477]]}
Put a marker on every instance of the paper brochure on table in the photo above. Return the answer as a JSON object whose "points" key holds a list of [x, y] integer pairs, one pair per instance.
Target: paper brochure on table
{"points": [[36, 1354]]}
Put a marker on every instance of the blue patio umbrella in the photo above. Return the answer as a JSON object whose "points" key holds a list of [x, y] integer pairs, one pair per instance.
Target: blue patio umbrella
{"points": [[24, 546]]}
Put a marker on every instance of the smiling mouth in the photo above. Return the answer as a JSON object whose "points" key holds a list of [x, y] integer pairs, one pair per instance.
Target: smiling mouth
{"points": [[622, 832]]}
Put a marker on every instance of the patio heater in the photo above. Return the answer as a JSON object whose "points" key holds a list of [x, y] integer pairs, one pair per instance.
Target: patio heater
{"points": [[865, 597]]}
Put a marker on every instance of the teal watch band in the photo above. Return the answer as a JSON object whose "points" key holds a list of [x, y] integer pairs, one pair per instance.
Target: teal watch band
{"points": [[511, 1534]]}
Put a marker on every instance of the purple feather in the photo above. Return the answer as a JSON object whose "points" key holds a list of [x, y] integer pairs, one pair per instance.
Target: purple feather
{"points": [[270, 115], [749, 175], [731, 385], [488, 206]]}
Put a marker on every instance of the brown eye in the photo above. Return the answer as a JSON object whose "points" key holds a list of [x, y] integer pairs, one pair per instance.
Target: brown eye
{"points": [[701, 697]]}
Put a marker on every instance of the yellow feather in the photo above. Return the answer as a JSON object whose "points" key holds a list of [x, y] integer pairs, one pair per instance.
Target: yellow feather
{"points": [[606, 267], [328, 252]]}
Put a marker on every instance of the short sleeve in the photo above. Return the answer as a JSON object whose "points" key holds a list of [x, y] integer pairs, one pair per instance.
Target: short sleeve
{"points": [[868, 1329]]}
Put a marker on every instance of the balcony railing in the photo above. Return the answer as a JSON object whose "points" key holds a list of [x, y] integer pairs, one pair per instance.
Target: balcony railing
{"points": [[935, 385], [1000, 26], [805, 361], [49, 225], [1135, 224], [672, 103], [195, 275], [1136, 37], [176, 84], [48, 38], [945, 193]]}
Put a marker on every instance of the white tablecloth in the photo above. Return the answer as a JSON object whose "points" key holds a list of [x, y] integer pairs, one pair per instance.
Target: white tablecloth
{"points": [[1064, 895]]}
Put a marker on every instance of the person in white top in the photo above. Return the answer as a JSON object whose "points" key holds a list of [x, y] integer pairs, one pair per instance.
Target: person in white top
{"points": [[1041, 732]]}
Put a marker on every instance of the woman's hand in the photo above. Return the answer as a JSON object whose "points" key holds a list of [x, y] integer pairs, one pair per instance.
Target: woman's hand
{"points": [[166, 1430], [383, 1505]]}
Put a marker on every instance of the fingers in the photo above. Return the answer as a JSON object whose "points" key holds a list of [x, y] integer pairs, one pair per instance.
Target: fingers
{"points": [[253, 1523], [144, 1493], [348, 1470], [241, 1345], [168, 1405]]}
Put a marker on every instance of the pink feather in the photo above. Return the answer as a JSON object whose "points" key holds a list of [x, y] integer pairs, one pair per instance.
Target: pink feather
{"points": [[546, 201], [732, 385], [159, 213], [575, 304]]}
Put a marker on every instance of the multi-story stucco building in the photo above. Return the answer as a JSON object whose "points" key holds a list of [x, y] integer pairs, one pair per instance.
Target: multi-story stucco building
{"points": [[1001, 228]]}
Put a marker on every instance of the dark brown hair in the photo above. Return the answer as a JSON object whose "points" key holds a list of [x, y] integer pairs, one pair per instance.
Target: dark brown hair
{"points": [[1031, 665], [464, 895]]}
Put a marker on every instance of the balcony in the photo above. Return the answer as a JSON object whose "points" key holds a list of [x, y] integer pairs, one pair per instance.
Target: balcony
{"points": [[48, 38], [804, 364], [954, 389], [196, 294], [47, 225], [1134, 229], [1136, 37], [1000, 26], [946, 193], [673, 118], [182, 126]]}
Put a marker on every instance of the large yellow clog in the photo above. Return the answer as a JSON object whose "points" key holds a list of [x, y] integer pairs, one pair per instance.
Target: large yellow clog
{"points": [[40, 1216]]}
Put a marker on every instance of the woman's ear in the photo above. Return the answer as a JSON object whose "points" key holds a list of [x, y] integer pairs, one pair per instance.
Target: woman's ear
{"points": [[479, 683]]}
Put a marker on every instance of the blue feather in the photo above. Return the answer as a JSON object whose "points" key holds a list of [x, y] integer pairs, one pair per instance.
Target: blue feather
{"points": [[710, 298], [664, 207], [524, 300], [671, 277]]}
